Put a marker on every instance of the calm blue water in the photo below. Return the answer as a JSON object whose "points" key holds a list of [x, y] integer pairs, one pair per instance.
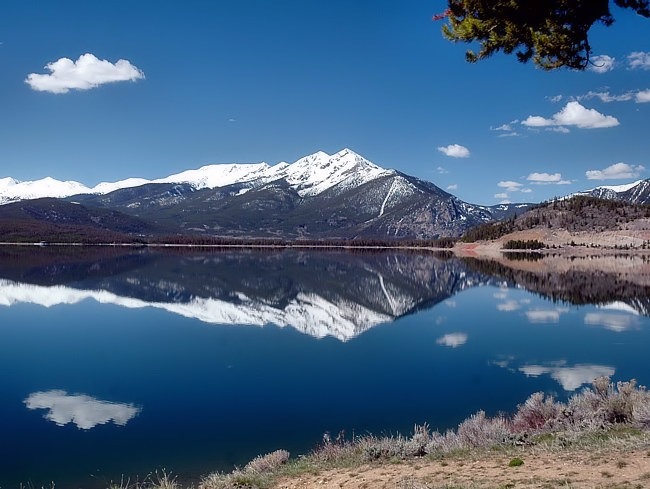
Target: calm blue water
{"points": [[120, 363]]}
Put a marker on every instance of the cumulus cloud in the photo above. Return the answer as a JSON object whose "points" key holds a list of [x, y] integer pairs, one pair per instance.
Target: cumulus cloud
{"points": [[570, 378], [85, 73], [452, 340], [639, 60], [573, 114], [547, 178], [453, 186], [512, 186], [602, 63], [617, 171], [454, 151], [643, 96], [555, 98], [84, 411]]}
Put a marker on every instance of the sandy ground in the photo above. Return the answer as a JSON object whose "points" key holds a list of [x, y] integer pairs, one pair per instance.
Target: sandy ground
{"points": [[541, 469], [562, 238]]}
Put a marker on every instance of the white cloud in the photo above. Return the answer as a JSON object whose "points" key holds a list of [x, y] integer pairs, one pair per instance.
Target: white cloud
{"points": [[84, 411], [442, 170], [602, 63], [454, 151], [510, 185], [562, 129], [506, 201], [617, 171], [547, 178], [606, 96], [612, 322], [85, 73], [505, 127], [453, 186], [452, 340], [570, 378], [508, 134], [502, 195], [574, 114], [555, 98], [639, 59], [643, 96]]}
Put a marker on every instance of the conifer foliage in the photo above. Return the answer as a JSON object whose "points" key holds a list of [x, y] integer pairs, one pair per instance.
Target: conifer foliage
{"points": [[553, 33]]}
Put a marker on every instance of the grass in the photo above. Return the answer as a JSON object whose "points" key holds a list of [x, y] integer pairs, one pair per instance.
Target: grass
{"points": [[515, 462]]}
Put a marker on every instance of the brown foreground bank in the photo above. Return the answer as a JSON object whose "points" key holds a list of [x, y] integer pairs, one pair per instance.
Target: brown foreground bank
{"points": [[612, 465]]}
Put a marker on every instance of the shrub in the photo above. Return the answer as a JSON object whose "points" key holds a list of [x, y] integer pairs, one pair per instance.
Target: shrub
{"points": [[606, 404], [537, 413], [515, 462], [480, 431], [268, 462]]}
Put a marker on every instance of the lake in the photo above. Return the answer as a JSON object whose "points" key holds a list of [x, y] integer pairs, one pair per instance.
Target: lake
{"points": [[119, 361]]}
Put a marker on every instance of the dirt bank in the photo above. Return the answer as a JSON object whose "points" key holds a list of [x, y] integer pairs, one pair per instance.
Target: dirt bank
{"points": [[613, 467]]}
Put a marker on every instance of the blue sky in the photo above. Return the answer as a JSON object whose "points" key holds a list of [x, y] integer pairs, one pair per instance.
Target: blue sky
{"points": [[248, 81]]}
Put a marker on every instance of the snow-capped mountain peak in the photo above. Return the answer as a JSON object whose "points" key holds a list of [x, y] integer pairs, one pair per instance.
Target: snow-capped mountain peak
{"points": [[617, 188], [318, 172], [309, 176], [637, 192]]}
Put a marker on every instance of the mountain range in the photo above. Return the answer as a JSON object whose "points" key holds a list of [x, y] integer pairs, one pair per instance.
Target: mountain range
{"points": [[320, 196]]}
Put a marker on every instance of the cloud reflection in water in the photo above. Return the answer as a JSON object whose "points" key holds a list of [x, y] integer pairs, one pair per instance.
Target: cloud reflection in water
{"points": [[84, 411], [570, 378], [453, 340]]}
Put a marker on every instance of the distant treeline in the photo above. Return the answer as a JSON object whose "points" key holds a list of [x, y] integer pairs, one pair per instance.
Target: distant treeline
{"points": [[279, 242], [579, 213], [21, 231], [520, 244]]}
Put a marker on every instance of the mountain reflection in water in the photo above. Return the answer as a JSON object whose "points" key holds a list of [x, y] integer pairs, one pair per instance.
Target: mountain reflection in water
{"points": [[333, 293]]}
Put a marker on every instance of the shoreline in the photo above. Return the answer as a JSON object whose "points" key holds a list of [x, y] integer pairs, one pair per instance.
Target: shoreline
{"points": [[476, 250]]}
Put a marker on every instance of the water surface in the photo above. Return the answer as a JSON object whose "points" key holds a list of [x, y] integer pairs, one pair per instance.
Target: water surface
{"points": [[120, 362]]}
